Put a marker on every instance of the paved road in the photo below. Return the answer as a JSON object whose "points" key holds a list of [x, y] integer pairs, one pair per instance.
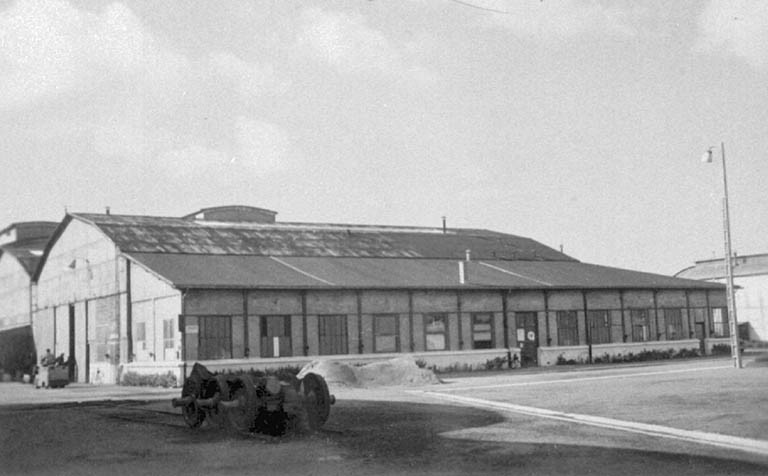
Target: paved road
{"points": [[696, 407]]}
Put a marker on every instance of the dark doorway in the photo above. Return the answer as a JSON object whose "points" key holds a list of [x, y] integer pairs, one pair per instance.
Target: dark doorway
{"points": [[527, 338], [332, 331], [71, 355]]}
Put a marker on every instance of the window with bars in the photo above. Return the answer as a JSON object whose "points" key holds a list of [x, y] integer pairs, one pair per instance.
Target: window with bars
{"points": [[599, 327], [385, 332], [673, 318], [567, 328], [719, 325], [436, 331], [169, 333], [215, 337], [140, 335], [482, 330], [332, 334], [640, 328]]}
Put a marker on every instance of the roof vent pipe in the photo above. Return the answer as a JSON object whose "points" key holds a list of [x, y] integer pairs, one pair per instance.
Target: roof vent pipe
{"points": [[468, 255], [463, 278], [107, 210], [445, 229]]}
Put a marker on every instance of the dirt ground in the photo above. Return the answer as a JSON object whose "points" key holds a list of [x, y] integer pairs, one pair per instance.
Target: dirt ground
{"points": [[362, 437], [396, 430]]}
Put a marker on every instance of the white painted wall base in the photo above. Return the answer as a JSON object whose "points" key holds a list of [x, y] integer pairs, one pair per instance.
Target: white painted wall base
{"points": [[466, 359], [713, 341], [580, 353]]}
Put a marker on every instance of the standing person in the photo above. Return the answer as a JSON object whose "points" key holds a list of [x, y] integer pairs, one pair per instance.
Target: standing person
{"points": [[48, 358], [45, 363]]}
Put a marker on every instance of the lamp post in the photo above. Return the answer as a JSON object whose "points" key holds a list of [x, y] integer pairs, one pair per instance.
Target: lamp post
{"points": [[735, 350]]}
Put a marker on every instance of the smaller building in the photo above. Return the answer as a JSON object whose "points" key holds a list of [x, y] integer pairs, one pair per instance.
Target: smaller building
{"points": [[21, 247], [750, 275]]}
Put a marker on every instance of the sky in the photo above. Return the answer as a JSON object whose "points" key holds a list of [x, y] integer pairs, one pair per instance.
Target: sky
{"points": [[580, 124]]}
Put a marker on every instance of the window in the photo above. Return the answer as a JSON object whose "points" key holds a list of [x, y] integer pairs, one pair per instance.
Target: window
{"points": [[567, 328], [599, 327], [720, 322], [674, 321], [640, 329], [436, 331], [482, 330], [140, 335], [332, 334], [385, 333], [276, 336], [168, 333], [215, 338]]}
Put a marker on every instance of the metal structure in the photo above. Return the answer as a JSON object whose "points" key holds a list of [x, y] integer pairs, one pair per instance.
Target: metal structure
{"points": [[246, 402], [735, 350]]}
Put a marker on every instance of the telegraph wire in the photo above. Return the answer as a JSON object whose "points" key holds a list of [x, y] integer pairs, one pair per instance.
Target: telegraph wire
{"points": [[479, 7]]}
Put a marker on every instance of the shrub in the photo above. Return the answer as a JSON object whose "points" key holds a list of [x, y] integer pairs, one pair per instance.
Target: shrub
{"points": [[721, 349], [454, 368], [421, 363], [133, 379], [286, 374], [495, 364], [687, 353]]}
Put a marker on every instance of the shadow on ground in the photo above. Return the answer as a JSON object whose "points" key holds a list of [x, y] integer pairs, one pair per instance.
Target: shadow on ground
{"points": [[361, 437], [407, 437]]}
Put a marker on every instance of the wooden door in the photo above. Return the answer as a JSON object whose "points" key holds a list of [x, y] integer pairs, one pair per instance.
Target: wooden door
{"points": [[527, 337]]}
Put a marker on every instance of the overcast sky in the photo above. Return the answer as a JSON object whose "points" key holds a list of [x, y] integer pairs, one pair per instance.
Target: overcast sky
{"points": [[576, 123]]}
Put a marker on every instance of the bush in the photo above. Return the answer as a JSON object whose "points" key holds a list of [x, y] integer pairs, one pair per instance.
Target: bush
{"points": [[454, 368], [561, 360], [421, 363], [721, 349], [133, 379], [285, 374], [687, 353], [495, 364]]}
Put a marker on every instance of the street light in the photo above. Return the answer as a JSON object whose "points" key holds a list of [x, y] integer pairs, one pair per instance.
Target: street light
{"points": [[735, 351]]}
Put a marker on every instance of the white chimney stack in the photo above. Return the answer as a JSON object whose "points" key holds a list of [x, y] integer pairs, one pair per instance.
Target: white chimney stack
{"points": [[463, 272]]}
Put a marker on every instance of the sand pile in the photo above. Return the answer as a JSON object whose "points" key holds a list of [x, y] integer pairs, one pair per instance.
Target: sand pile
{"points": [[334, 373], [397, 371]]}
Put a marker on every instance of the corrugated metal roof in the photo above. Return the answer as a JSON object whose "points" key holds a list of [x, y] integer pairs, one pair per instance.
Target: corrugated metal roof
{"points": [[175, 235], [210, 271], [585, 275], [748, 265]]}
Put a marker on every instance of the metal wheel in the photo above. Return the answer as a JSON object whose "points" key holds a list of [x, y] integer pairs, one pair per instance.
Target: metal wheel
{"points": [[193, 415], [317, 400], [241, 417], [215, 414], [223, 387]]}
